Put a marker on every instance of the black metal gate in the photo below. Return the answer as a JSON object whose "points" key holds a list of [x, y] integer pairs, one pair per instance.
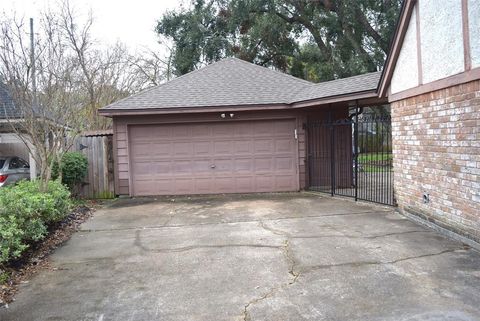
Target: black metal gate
{"points": [[352, 157]]}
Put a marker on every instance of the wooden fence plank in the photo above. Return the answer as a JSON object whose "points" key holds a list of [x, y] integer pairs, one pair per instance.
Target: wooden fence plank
{"points": [[99, 182]]}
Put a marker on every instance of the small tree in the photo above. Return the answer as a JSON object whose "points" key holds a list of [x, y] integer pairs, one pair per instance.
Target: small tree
{"points": [[47, 101], [71, 79]]}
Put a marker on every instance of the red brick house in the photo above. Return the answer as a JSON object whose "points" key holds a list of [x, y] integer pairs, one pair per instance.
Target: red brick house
{"points": [[432, 80]]}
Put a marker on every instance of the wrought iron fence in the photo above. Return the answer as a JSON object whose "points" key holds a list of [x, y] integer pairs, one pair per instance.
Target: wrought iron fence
{"points": [[352, 157]]}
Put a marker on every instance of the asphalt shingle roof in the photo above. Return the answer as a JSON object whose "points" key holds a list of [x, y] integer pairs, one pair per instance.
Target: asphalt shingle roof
{"points": [[234, 82], [342, 86], [7, 107]]}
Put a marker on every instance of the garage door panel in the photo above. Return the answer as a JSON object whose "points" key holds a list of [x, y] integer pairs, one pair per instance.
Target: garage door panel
{"points": [[244, 184], [143, 168], [222, 130], [284, 164], [284, 127], [263, 146], [243, 131], [202, 148], [179, 132], [141, 149], [183, 167], [203, 185], [160, 149], [162, 185], [284, 145], [224, 184], [182, 149], [201, 131], [283, 183], [223, 148], [243, 147], [255, 156], [161, 168], [264, 183], [263, 164], [263, 128], [244, 165], [183, 186]]}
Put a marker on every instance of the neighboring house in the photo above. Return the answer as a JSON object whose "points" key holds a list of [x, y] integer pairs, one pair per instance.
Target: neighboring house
{"points": [[10, 143], [231, 127], [432, 79]]}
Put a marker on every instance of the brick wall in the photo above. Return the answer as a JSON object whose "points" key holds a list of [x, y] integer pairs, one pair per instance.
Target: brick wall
{"points": [[436, 139]]}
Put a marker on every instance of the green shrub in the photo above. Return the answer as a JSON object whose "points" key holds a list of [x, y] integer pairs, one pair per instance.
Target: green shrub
{"points": [[25, 213], [74, 167]]}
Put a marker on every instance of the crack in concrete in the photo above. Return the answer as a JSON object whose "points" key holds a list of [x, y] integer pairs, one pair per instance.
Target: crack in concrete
{"points": [[219, 246], [246, 315], [367, 263], [287, 252], [295, 274], [157, 227], [138, 242], [289, 235], [356, 237]]}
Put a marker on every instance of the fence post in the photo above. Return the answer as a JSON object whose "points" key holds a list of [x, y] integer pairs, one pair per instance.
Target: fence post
{"points": [[332, 156], [355, 144]]}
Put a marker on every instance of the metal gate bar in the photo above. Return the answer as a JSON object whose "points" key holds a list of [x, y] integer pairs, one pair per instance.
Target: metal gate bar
{"points": [[352, 157]]}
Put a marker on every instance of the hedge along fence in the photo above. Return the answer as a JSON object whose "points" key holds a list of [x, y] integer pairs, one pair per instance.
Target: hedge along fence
{"points": [[98, 147]]}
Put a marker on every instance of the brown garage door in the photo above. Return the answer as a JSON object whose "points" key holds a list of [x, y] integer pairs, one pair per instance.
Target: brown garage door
{"points": [[206, 158]]}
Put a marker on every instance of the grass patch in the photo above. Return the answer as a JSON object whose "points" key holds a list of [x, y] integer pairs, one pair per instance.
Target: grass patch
{"points": [[373, 157]]}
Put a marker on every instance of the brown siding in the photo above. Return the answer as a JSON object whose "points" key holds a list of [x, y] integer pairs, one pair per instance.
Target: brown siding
{"points": [[436, 146], [121, 153], [302, 151], [121, 137]]}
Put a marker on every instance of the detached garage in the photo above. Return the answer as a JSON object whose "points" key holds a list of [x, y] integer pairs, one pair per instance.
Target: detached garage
{"points": [[231, 127]]}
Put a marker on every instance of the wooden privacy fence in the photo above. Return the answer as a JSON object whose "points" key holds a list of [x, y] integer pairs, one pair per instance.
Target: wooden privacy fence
{"points": [[98, 147]]}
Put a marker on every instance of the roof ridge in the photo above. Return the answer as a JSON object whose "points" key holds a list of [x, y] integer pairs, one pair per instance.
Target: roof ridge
{"points": [[273, 70]]}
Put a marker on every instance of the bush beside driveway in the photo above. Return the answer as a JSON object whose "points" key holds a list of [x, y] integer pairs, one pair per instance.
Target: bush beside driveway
{"points": [[254, 257]]}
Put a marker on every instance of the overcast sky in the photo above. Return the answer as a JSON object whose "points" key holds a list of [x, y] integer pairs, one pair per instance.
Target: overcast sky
{"points": [[132, 22]]}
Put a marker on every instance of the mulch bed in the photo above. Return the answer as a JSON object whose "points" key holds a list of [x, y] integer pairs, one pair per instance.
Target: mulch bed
{"points": [[36, 257]]}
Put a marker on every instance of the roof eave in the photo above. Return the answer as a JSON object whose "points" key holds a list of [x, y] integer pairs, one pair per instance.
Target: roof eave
{"points": [[110, 112], [337, 99], [395, 46], [180, 110]]}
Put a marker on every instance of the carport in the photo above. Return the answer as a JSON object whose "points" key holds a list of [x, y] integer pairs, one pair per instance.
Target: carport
{"points": [[10, 143]]}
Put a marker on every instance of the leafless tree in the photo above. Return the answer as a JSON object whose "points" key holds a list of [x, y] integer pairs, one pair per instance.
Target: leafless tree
{"points": [[75, 77], [111, 73], [49, 119]]}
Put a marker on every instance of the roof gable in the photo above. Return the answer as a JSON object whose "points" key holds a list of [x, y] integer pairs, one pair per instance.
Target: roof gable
{"points": [[227, 82], [234, 83], [396, 46]]}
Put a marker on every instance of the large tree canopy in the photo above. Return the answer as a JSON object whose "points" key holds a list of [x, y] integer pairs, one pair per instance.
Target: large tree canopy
{"points": [[316, 40]]}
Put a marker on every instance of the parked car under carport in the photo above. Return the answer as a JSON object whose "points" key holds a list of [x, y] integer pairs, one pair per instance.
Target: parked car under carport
{"points": [[13, 169]]}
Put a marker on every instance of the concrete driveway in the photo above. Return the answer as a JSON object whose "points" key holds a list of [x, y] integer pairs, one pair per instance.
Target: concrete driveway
{"points": [[257, 257]]}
